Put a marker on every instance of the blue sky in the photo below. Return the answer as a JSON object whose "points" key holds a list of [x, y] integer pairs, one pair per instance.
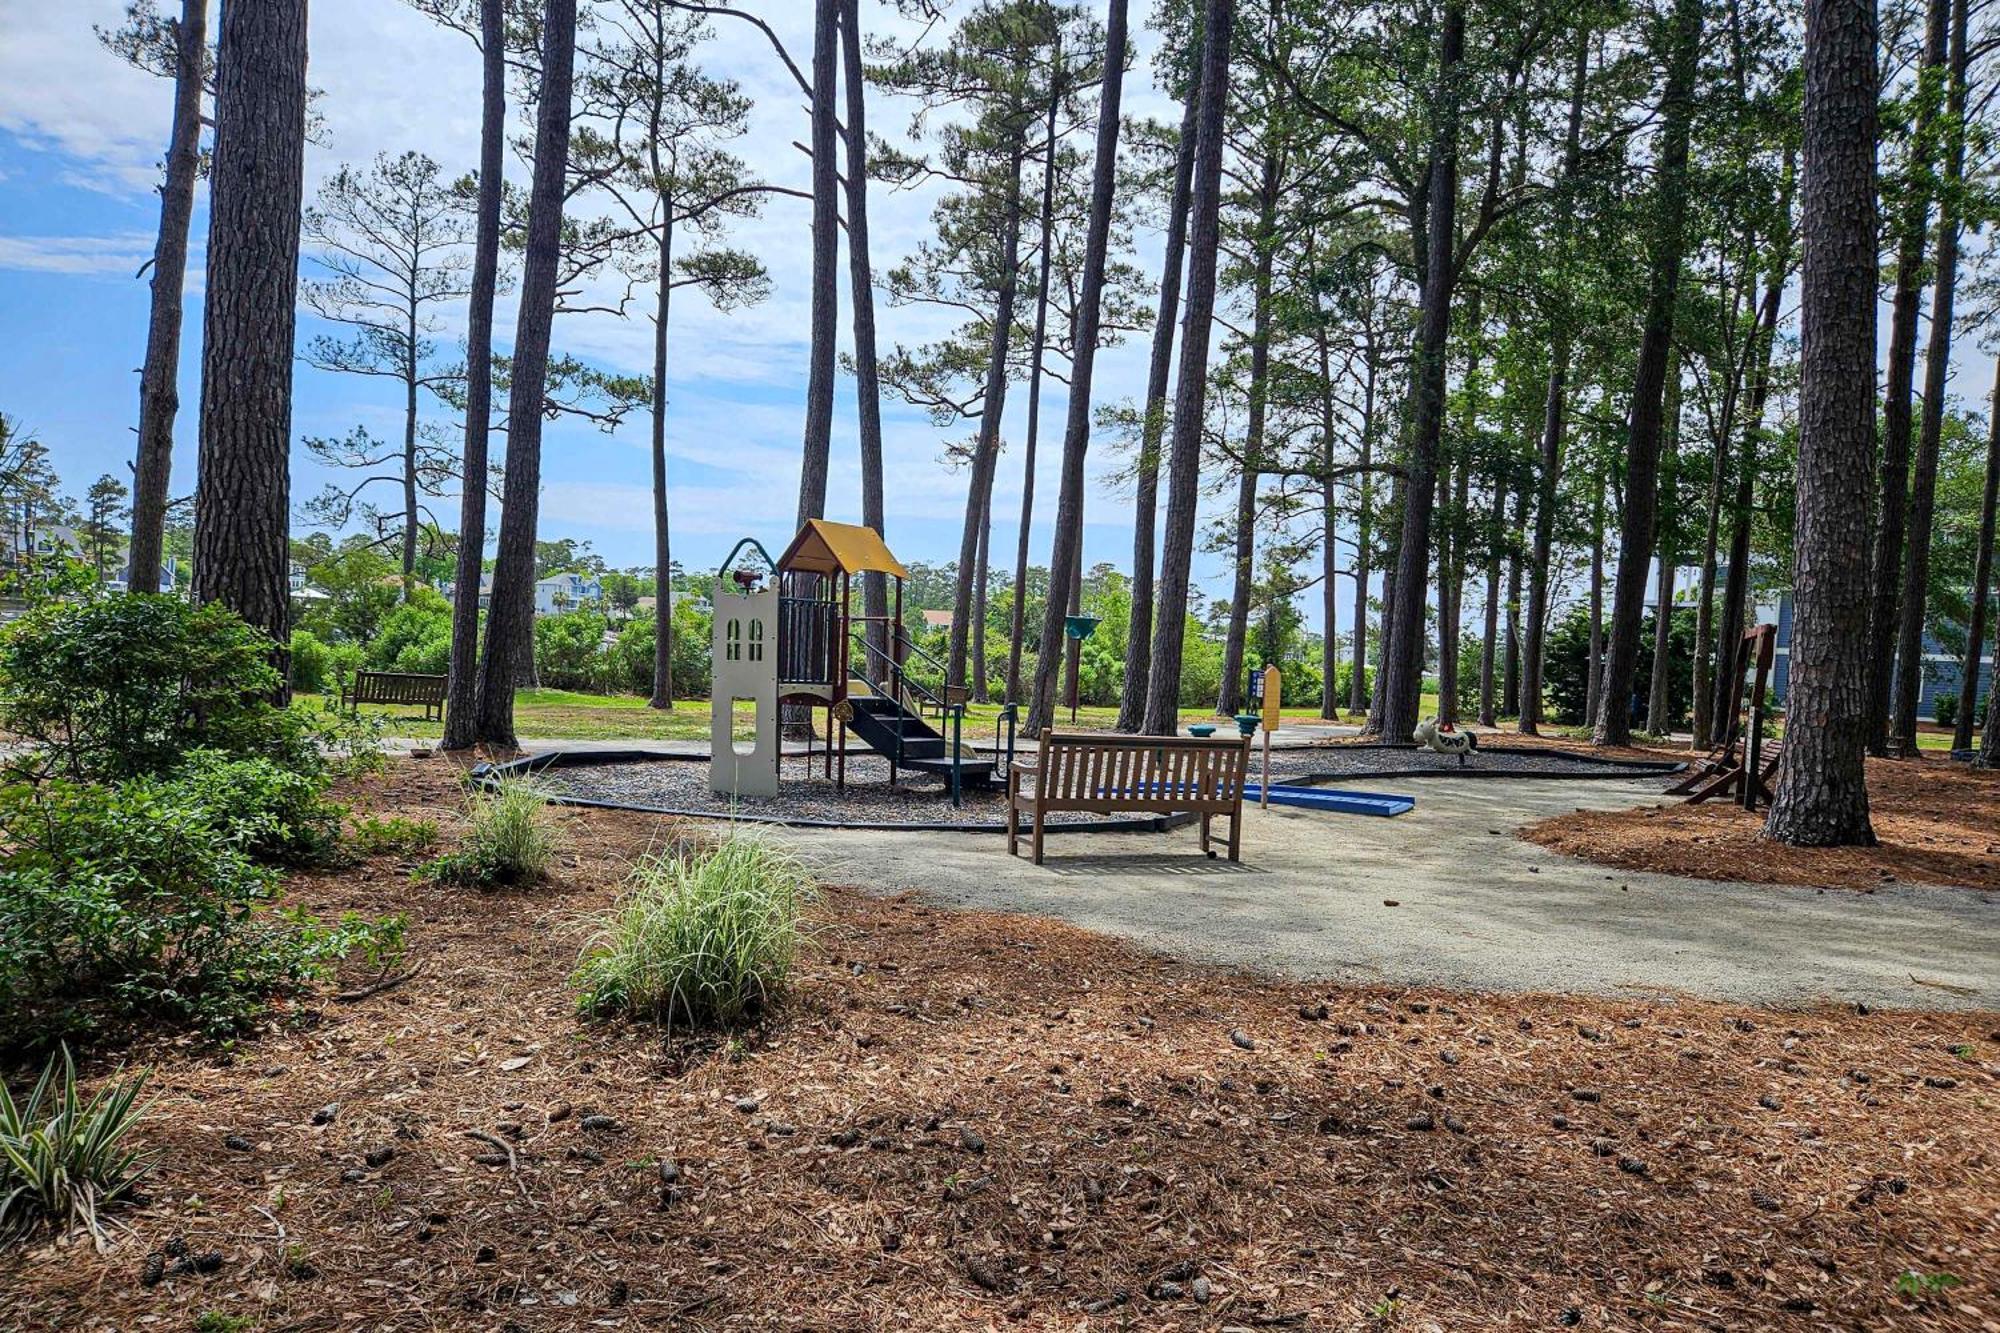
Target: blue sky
{"points": [[80, 137]]}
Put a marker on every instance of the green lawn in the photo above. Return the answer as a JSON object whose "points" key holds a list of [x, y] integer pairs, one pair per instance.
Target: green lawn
{"points": [[567, 715]]}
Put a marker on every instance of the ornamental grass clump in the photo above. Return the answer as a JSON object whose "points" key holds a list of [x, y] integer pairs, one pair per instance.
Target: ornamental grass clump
{"points": [[63, 1160], [511, 841], [703, 938]]}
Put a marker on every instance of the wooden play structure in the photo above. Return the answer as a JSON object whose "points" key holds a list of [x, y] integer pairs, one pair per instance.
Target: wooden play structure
{"points": [[1741, 767], [817, 651], [1113, 774]]}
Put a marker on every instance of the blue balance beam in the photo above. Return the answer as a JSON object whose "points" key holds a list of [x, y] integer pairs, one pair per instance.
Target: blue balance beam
{"points": [[1333, 802]]}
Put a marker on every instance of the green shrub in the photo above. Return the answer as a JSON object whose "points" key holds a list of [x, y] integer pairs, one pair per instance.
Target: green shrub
{"points": [[120, 686], [705, 938], [62, 1159], [631, 656], [129, 902], [1945, 710], [511, 841], [319, 667], [394, 836], [569, 651], [416, 636], [279, 816]]}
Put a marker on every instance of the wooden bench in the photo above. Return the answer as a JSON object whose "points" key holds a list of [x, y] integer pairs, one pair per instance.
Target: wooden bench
{"points": [[406, 688], [1108, 773]]}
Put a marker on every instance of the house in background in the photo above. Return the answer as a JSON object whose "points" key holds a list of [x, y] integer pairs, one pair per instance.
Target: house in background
{"points": [[1943, 669], [936, 619], [566, 592]]}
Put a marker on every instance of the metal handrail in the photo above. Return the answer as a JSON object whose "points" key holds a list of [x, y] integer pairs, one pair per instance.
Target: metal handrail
{"points": [[902, 684]]}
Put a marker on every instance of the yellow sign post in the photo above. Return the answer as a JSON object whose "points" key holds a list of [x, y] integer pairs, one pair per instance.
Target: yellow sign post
{"points": [[1274, 688]]}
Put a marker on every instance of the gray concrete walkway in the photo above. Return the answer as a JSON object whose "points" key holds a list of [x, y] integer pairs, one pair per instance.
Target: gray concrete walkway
{"points": [[1475, 906]]}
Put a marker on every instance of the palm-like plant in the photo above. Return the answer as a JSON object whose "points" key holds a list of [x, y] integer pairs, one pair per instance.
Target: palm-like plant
{"points": [[63, 1160]]}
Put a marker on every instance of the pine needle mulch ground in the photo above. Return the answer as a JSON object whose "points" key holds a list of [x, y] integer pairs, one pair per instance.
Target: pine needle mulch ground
{"points": [[1937, 822], [977, 1121]]}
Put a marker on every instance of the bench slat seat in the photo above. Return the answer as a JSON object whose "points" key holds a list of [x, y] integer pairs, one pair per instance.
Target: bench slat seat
{"points": [[397, 688], [1109, 773]]}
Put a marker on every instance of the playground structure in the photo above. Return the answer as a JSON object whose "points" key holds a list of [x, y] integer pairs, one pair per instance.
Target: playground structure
{"points": [[787, 633], [1741, 766]]}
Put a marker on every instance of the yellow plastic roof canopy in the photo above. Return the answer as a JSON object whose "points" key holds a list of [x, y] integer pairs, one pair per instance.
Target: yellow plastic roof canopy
{"points": [[825, 547]]}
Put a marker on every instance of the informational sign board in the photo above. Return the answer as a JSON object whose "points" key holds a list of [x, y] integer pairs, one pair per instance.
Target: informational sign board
{"points": [[1269, 688]]}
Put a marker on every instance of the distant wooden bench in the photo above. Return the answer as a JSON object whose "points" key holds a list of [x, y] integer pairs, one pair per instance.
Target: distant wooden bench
{"points": [[1108, 773], [408, 689]]}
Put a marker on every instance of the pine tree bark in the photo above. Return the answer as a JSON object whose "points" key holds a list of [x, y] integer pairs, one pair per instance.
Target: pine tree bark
{"points": [[1451, 591], [1510, 689], [861, 287], [986, 450], [1822, 796], [1016, 626], [1489, 650], [1638, 520], [1550, 454], [1230, 697], [1359, 695], [242, 550], [159, 376], [1190, 389], [663, 556], [1145, 499], [1065, 560], [510, 614], [1912, 228], [818, 446], [1403, 658], [461, 711], [1982, 582], [1930, 437], [1594, 670]]}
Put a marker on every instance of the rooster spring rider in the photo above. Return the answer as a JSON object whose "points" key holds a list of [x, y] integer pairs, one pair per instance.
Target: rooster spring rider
{"points": [[1444, 740]]}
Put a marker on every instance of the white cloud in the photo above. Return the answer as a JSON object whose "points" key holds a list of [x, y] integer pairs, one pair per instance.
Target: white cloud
{"points": [[120, 255]]}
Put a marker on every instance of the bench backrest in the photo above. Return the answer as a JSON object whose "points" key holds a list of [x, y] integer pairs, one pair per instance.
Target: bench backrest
{"points": [[1099, 771], [398, 687]]}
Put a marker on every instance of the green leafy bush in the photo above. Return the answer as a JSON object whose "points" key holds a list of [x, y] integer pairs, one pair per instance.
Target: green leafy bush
{"points": [[131, 902], [63, 1160], [569, 651], [511, 841], [631, 664], [120, 686], [703, 938], [279, 815], [319, 667], [416, 636], [394, 836]]}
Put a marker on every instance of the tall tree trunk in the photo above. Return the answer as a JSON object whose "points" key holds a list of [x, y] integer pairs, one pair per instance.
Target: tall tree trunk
{"points": [[1066, 559], [818, 450], [410, 335], [1145, 501], [1403, 660], [1549, 459], [1015, 628], [1510, 689], [663, 556], [1594, 669], [1637, 528], [1937, 368], [1359, 695], [159, 377], [1822, 797], [1657, 721], [510, 616], [1190, 389], [242, 551], [1451, 592], [1265, 240], [1736, 583], [461, 711], [1329, 516], [1490, 635], [982, 583], [1982, 582], [986, 450], [1704, 613], [1912, 227], [861, 287]]}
